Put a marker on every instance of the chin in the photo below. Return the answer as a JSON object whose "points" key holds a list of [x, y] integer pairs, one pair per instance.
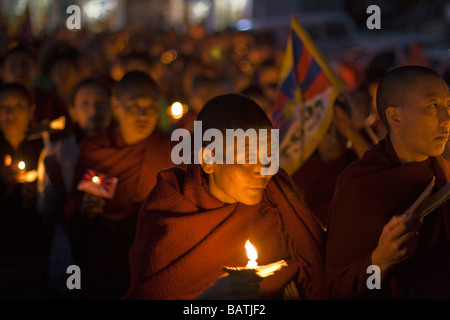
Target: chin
{"points": [[437, 151], [251, 201]]}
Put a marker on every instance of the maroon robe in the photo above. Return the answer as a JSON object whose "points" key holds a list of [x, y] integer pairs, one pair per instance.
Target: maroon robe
{"points": [[316, 180], [368, 194], [185, 236], [101, 244]]}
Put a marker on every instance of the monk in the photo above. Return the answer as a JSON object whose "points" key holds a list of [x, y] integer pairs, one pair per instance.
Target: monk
{"points": [[133, 150], [197, 220], [409, 259]]}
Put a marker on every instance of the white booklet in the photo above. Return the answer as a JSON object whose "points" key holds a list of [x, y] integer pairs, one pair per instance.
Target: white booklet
{"points": [[426, 203]]}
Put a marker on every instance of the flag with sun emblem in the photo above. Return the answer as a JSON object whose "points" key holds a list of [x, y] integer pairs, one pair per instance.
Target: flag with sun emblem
{"points": [[303, 106]]}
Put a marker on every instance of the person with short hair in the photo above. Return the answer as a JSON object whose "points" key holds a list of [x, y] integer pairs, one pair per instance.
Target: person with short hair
{"points": [[198, 218], [133, 150], [23, 238], [90, 110], [368, 224]]}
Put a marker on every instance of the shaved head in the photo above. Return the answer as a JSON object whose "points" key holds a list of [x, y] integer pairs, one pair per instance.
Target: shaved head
{"points": [[397, 84], [233, 111]]}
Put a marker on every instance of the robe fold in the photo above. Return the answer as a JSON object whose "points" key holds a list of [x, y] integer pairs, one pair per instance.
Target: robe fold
{"points": [[185, 236], [102, 244], [368, 194]]}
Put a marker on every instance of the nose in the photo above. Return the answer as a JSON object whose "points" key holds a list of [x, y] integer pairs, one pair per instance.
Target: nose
{"points": [[444, 117], [143, 111]]}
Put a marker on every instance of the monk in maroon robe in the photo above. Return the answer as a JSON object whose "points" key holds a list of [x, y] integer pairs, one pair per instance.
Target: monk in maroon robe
{"points": [[197, 220], [133, 151], [368, 227]]}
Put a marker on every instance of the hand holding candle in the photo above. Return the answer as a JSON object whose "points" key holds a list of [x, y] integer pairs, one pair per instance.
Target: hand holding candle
{"points": [[16, 170]]}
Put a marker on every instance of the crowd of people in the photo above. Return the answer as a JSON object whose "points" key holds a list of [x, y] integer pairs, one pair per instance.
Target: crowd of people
{"points": [[165, 231]]}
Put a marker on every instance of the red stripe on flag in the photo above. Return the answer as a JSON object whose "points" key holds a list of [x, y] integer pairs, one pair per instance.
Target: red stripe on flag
{"points": [[320, 84], [303, 64]]}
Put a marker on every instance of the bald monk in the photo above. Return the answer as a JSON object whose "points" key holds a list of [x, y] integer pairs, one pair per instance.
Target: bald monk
{"points": [[197, 220], [367, 223], [134, 150]]}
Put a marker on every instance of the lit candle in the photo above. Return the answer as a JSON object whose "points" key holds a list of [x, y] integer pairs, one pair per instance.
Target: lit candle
{"points": [[252, 255], [7, 160], [253, 267], [177, 110], [21, 166], [96, 180]]}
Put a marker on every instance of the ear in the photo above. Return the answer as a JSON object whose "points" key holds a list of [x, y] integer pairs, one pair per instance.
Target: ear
{"points": [[393, 116], [206, 164]]}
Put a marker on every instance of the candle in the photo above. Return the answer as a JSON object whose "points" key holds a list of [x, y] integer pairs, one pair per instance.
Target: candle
{"points": [[21, 166], [252, 255], [96, 180], [252, 266], [7, 160]]}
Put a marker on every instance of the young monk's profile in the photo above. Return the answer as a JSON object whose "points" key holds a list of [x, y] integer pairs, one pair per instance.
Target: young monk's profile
{"points": [[368, 227]]}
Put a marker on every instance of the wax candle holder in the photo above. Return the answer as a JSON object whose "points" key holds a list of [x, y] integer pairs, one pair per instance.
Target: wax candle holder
{"points": [[262, 271]]}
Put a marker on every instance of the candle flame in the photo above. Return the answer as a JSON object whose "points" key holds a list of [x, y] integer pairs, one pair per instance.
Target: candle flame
{"points": [[21, 165], [7, 160], [252, 255], [58, 124], [177, 110], [96, 179]]}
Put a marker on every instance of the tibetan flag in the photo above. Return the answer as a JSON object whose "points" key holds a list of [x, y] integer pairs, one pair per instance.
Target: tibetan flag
{"points": [[98, 184], [303, 106]]}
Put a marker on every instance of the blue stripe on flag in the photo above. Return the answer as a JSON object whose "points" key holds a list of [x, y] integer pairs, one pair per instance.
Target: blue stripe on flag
{"points": [[288, 85], [314, 71]]}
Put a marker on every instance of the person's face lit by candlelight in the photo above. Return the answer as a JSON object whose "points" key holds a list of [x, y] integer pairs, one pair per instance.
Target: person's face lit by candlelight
{"points": [[16, 112], [135, 106], [137, 115], [244, 183], [419, 118]]}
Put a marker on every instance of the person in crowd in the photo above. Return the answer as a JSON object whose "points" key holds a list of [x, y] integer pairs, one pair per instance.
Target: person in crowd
{"points": [[133, 150], [203, 88], [370, 233], [258, 95], [198, 218], [20, 66], [138, 61], [90, 110], [23, 239], [343, 143]]}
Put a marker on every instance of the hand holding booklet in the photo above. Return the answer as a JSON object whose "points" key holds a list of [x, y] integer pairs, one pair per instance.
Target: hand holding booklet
{"points": [[98, 184], [426, 203]]}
